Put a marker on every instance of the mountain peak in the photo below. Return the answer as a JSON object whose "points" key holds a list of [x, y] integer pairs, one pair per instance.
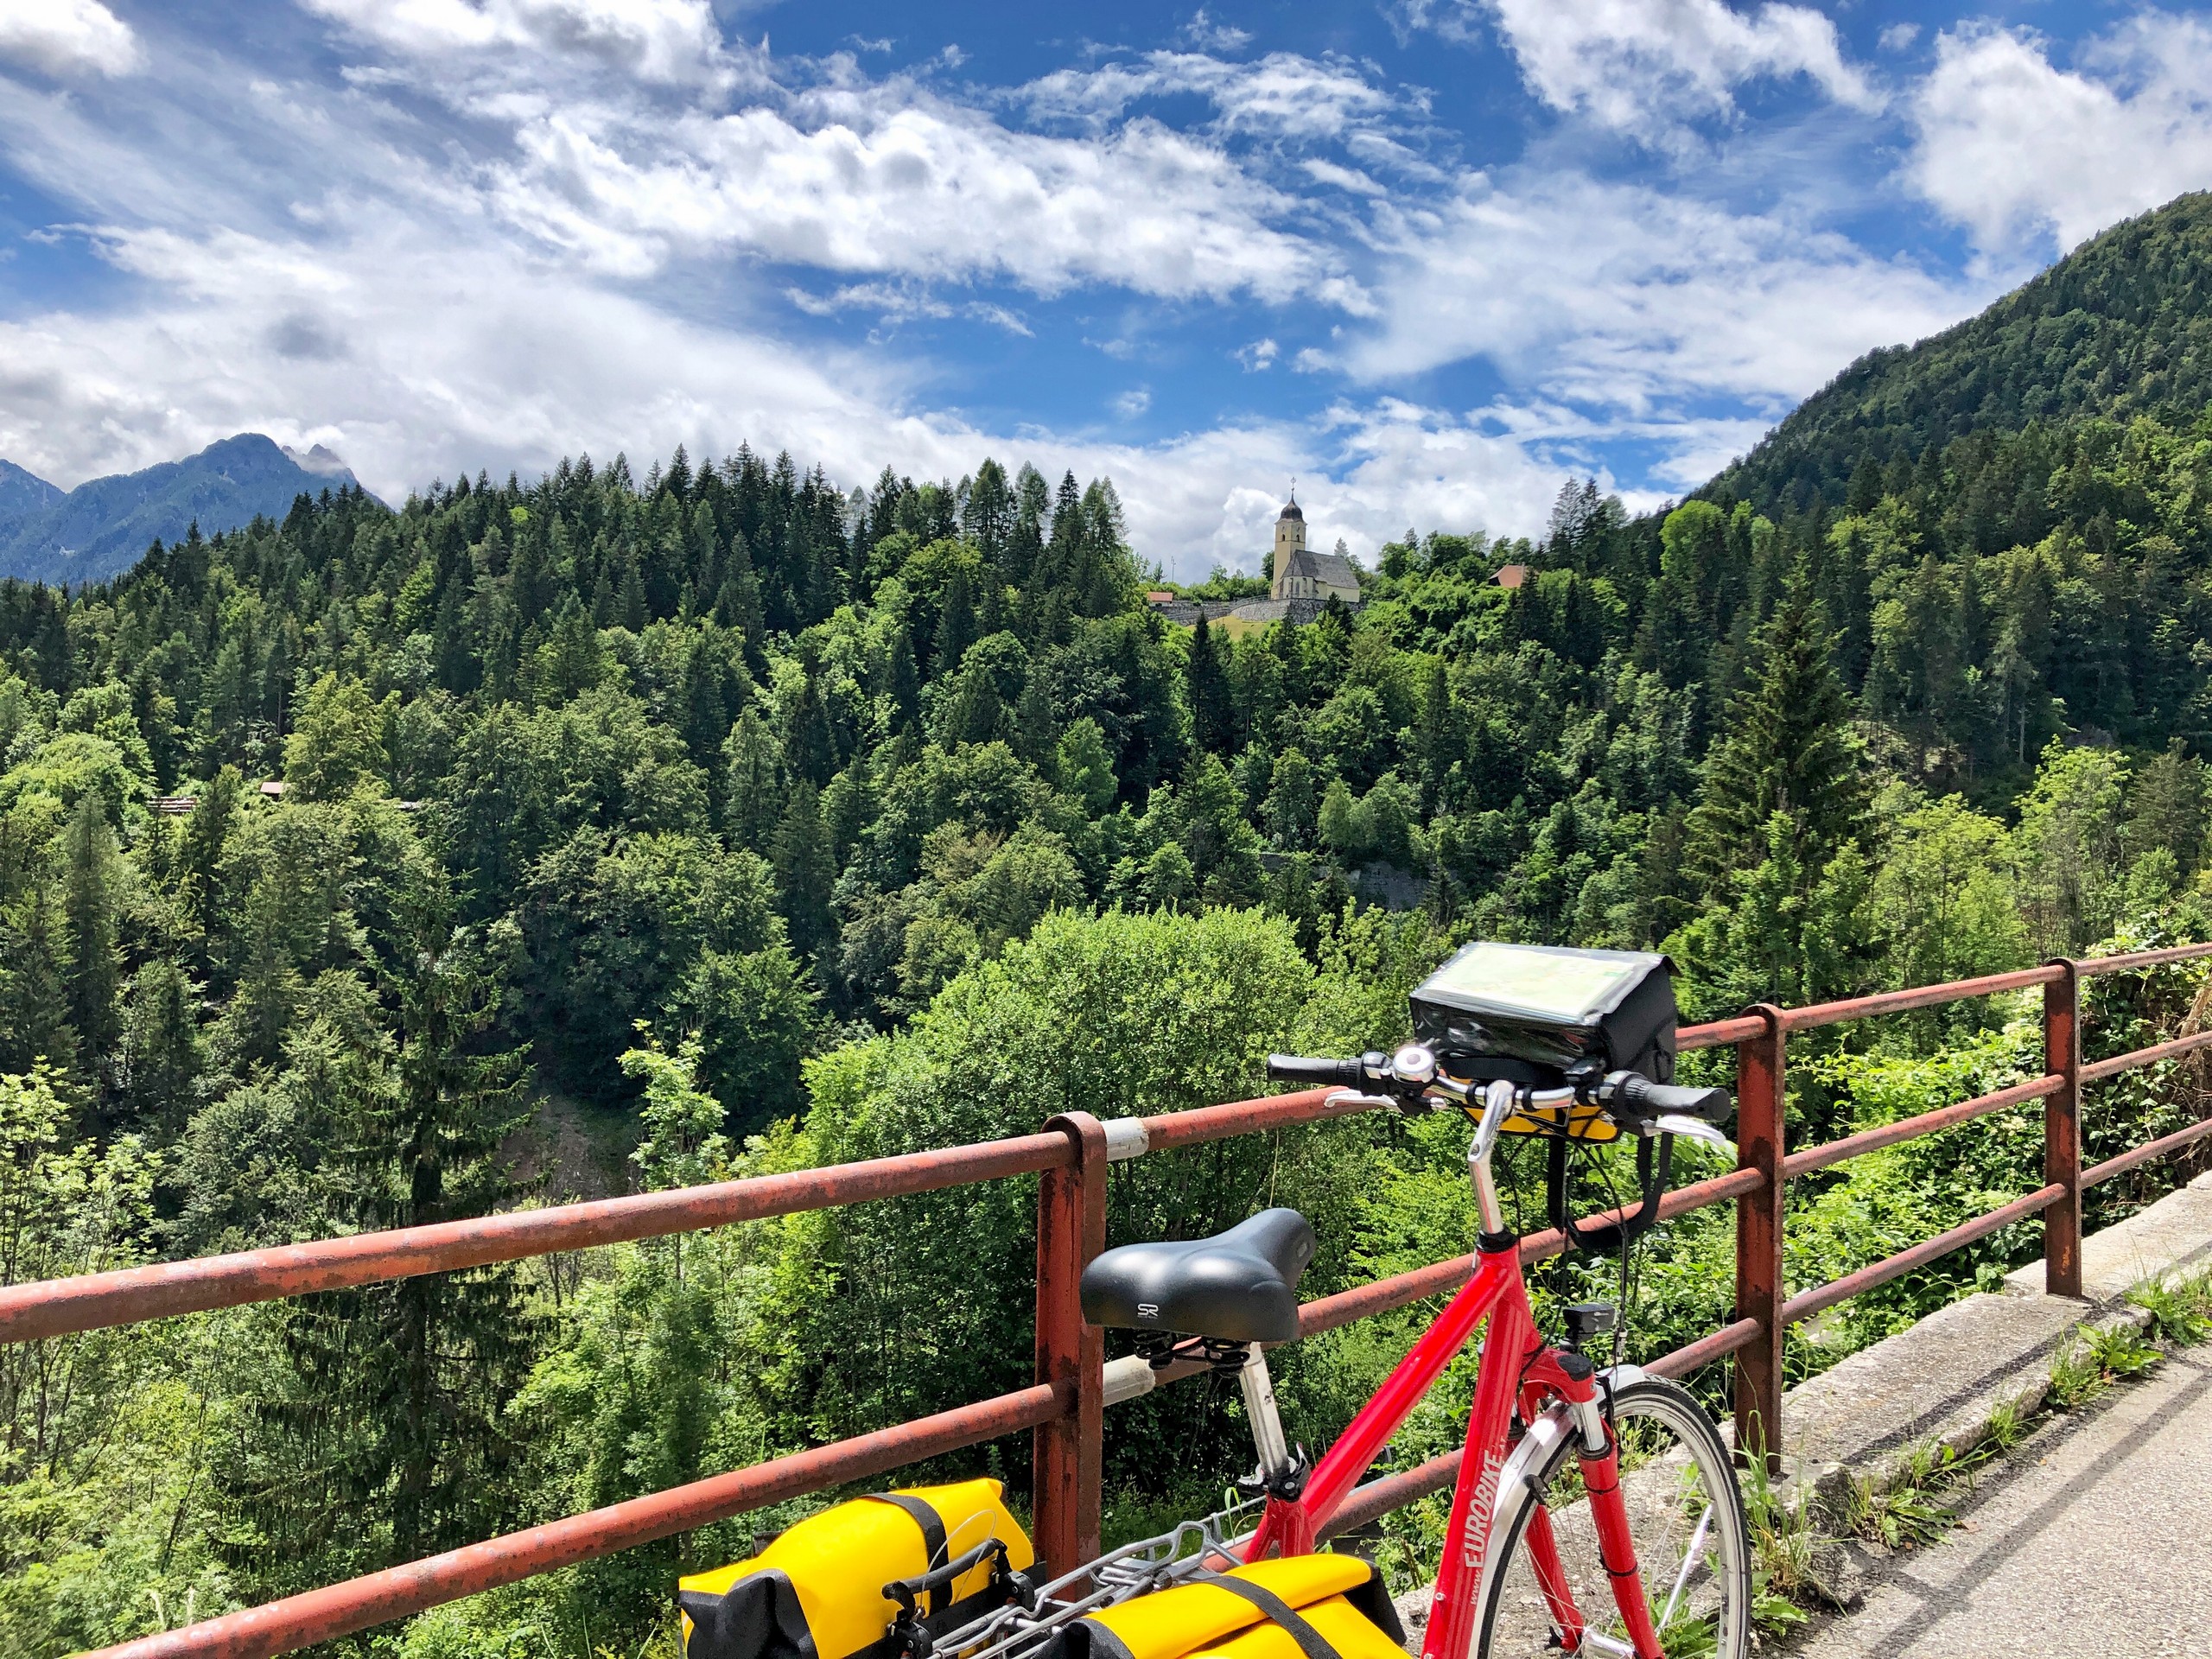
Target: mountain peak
{"points": [[320, 461], [105, 524]]}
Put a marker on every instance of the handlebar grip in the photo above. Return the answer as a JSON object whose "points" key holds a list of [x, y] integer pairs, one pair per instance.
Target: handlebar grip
{"points": [[1640, 1097], [1299, 1068]]}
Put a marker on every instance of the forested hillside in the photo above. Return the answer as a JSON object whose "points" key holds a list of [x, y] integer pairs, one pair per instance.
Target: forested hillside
{"points": [[2121, 326], [736, 820]]}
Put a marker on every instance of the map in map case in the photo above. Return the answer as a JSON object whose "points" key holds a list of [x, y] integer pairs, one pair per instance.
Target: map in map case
{"points": [[1529, 1011]]}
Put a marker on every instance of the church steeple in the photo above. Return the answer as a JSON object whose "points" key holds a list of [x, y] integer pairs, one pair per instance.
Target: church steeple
{"points": [[1289, 582]]}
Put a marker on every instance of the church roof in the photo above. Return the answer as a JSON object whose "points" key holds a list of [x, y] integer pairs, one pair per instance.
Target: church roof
{"points": [[1329, 569], [1291, 511]]}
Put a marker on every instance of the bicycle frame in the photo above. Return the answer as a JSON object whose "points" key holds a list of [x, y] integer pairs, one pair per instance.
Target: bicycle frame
{"points": [[1517, 1368]]}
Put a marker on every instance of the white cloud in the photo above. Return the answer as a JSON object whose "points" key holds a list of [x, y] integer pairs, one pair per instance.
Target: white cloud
{"points": [[1644, 66], [898, 181], [897, 301], [1260, 355], [1898, 37], [2013, 148], [1624, 298], [660, 41], [1210, 35], [1133, 403], [1283, 95], [67, 37]]}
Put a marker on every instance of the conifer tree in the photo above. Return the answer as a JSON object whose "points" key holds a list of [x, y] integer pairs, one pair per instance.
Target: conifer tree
{"points": [[34, 984], [987, 518], [207, 832], [1207, 688], [1785, 746], [164, 1056], [810, 747], [753, 783], [955, 625], [1438, 735], [398, 1414], [905, 681], [739, 605], [92, 902], [1032, 501], [1036, 733], [805, 869]]}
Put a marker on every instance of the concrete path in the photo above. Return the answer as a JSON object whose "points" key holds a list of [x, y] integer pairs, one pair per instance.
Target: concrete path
{"points": [[2093, 1538]]}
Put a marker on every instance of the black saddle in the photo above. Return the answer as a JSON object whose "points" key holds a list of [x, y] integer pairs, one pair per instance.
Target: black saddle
{"points": [[1240, 1285]]}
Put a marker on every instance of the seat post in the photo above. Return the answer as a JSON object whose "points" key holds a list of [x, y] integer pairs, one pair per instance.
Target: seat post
{"points": [[1266, 1422]]}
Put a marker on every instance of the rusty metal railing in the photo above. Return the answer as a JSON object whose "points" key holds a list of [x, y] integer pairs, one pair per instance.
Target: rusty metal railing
{"points": [[1064, 1409]]}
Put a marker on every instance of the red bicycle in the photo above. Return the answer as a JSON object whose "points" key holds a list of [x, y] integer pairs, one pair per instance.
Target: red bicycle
{"points": [[1596, 1509]]}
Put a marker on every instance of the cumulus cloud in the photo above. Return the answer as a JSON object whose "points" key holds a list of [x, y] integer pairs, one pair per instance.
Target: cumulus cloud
{"points": [[66, 38], [2013, 148], [1644, 68], [911, 185], [1627, 299]]}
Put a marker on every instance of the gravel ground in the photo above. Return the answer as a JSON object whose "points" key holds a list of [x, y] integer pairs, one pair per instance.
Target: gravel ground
{"points": [[2094, 1538]]}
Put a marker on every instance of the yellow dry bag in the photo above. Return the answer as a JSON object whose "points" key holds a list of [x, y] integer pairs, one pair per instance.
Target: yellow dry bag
{"points": [[1298, 1607], [826, 1588]]}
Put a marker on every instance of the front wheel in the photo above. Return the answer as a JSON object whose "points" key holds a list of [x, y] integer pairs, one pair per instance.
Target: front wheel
{"points": [[1685, 1516]]}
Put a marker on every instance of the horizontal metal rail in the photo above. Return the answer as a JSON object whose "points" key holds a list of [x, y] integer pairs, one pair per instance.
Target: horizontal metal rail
{"points": [[2150, 1056], [1921, 996], [2148, 1153], [1912, 1128], [341, 1609], [1805, 1304], [56, 1308]]}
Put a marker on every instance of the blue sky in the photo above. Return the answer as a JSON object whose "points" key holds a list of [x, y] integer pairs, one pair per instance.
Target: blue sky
{"points": [[1429, 255]]}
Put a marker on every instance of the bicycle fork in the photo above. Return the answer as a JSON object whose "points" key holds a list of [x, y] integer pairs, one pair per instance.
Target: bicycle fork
{"points": [[1469, 1574]]}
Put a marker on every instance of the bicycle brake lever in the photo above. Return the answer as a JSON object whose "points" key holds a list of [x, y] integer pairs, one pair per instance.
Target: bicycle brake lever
{"points": [[1691, 1128]]}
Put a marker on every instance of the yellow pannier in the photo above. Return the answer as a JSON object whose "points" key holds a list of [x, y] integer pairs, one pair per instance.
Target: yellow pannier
{"points": [[1299, 1607], [819, 1591]]}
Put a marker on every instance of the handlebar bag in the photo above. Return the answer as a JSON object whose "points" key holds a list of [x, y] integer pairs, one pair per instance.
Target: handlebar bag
{"points": [[1296, 1607], [1528, 1012], [816, 1593]]}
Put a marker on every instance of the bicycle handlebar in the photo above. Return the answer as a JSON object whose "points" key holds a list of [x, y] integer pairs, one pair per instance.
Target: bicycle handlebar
{"points": [[1635, 1098], [1344, 1074]]}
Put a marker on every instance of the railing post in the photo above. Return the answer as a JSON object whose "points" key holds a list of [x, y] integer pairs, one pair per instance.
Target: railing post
{"points": [[1759, 1236], [2061, 1131], [1071, 1230]]}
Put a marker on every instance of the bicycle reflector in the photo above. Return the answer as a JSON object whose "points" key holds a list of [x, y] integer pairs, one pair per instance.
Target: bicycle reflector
{"points": [[1535, 1013]]}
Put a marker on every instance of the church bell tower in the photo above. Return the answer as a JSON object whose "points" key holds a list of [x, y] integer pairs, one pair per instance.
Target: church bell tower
{"points": [[1290, 541]]}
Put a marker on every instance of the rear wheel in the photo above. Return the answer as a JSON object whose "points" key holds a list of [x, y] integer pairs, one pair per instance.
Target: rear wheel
{"points": [[1685, 1516]]}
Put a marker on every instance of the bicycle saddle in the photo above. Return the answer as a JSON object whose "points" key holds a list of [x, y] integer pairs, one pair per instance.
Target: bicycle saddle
{"points": [[1240, 1285]]}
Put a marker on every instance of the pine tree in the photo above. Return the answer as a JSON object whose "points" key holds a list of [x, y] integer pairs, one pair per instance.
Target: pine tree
{"points": [[92, 903], [163, 1057], [1437, 737], [905, 678], [1787, 746], [1026, 541], [1207, 688], [806, 869], [397, 1422], [752, 775], [987, 518], [809, 746], [34, 984], [738, 605], [207, 832], [956, 626], [1036, 733]]}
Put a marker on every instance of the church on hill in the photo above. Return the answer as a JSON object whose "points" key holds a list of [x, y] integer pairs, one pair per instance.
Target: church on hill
{"points": [[1301, 573]]}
